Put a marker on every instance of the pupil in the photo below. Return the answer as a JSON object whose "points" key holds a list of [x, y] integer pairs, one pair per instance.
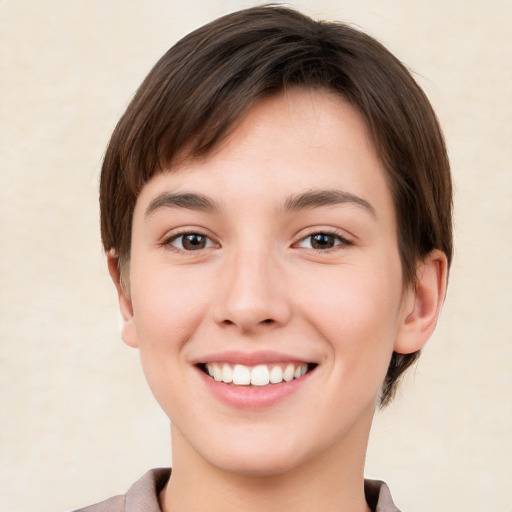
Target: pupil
{"points": [[322, 241], [194, 241]]}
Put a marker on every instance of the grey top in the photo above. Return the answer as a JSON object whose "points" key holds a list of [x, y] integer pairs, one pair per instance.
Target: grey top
{"points": [[142, 496]]}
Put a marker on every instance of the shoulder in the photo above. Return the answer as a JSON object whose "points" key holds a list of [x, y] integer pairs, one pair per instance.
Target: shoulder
{"points": [[114, 504], [142, 495], [378, 496]]}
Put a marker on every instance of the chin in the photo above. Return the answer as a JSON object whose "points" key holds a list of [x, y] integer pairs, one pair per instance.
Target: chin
{"points": [[259, 459], [260, 467]]}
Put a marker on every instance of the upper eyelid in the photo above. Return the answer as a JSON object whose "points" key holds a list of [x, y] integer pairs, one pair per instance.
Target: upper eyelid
{"points": [[187, 230]]}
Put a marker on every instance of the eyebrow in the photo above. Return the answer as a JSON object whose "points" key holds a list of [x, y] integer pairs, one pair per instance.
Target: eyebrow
{"points": [[187, 200], [304, 201], [330, 197]]}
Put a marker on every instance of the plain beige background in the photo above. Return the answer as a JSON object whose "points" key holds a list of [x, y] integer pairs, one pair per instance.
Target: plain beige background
{"points": [[77, 421]]}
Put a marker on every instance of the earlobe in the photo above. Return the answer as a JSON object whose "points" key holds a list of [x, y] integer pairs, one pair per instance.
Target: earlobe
{"points": [[422, 304], [128, 328]]}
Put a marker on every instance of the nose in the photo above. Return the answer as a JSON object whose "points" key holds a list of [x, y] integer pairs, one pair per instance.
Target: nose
{"points": [[252, 295]]}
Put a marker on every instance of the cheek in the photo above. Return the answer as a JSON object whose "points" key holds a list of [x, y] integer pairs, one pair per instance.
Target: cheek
{"points": [[166, 304], [165, 320], [356, 312], [167, 311]]}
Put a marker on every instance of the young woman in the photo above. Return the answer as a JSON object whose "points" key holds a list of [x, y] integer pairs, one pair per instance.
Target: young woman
{"points": [[276, 213]]}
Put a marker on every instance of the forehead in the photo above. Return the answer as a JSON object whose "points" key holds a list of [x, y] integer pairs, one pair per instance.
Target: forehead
{"points": [[290, 142]]}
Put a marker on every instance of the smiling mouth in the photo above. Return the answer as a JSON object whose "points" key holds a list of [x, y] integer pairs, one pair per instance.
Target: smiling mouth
{"points": [[259, 375]]}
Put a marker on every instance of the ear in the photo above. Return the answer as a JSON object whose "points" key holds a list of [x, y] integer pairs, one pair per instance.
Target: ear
{"points": [[128, 327], [422, 304]]}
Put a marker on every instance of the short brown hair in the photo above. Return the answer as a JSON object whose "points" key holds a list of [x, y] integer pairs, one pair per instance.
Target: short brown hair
{"points": [[196, 93]]}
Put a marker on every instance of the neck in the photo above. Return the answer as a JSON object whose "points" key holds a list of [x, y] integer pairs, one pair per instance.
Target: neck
{"points": [[331, 481]]}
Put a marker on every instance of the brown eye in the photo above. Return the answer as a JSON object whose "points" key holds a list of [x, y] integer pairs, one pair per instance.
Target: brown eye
{"points": [[322, 241], [191, 242]]}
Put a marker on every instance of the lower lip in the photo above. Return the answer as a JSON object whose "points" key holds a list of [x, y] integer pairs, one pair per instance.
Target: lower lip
{"points": [[253, 397]]}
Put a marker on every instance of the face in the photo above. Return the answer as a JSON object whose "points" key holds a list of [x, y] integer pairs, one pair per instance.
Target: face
{"points": [[266, 291]]}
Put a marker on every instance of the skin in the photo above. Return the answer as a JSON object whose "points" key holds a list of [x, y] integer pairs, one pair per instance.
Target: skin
{"points": [[259, 281]]}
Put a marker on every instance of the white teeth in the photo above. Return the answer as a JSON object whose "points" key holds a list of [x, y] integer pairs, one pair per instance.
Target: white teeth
{"points": [[227, 373], [241, 375], [276, 375], [260, 375], [289, 372], [216, 370]]}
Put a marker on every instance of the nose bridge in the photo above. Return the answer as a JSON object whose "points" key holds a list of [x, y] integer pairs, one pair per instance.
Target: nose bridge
{"points": [[251, 294]]}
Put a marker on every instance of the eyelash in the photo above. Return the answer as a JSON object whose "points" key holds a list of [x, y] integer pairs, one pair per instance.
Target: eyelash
{"points": [[168, 242], [340, 241]]}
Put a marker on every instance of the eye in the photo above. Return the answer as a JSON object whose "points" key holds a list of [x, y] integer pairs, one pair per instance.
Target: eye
{"points": [[322, 241], [190, 242]]}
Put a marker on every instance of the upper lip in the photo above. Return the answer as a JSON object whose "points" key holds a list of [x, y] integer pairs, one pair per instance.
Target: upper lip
{"points": [[250, 358]]}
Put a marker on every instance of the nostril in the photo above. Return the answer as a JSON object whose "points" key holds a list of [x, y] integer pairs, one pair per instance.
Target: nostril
{"points": [[247, 326]]}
